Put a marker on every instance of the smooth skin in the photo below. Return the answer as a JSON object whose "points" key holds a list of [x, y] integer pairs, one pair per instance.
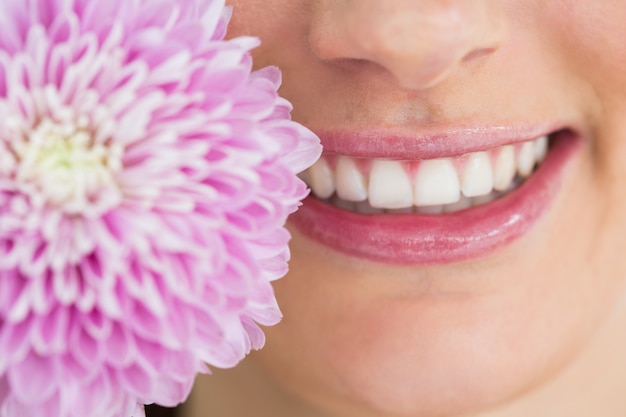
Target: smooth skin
{"points": [[536, 329]]}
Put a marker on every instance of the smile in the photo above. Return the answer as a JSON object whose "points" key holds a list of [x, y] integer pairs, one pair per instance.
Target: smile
{"points": [[442, 209], [431, 186]]}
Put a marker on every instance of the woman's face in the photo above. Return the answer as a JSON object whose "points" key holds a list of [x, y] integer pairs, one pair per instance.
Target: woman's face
{"points": [[445, 313]]}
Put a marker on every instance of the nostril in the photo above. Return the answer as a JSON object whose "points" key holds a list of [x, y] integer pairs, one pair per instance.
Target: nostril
{"points": [[478, 53], [419, 44]]}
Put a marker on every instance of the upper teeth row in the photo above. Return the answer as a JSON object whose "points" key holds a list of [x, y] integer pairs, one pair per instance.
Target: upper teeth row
{"points": [[389, 184]]}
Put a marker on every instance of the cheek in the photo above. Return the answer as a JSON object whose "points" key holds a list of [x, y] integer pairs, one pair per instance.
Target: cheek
{"points": [[590, 36], [591, 39], [280, 24]]}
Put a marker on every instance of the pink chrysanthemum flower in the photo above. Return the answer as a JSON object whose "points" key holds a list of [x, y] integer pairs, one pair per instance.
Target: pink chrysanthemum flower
{"points": [[145, 177]]}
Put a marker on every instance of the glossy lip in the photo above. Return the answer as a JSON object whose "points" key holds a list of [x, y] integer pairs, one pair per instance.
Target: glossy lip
{"points": [[430, 143], [416, 239]]}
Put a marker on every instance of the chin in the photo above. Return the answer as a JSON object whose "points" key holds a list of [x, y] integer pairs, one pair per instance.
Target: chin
{"points": [[370, 340]]}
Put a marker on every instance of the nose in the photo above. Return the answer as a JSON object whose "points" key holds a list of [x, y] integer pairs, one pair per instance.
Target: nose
{"points": [[420, 42]]}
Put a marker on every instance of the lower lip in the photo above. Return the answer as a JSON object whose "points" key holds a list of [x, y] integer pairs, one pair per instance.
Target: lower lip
{"points": [[415, 239]]}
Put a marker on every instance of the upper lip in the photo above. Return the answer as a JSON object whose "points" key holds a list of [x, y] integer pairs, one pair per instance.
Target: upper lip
{"points": [[429, 142]]}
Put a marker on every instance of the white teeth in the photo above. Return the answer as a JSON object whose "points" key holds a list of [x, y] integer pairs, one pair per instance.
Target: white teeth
{"points": [[433, 186], [321, 179], [505, 168], [541, 148], [526, 159], [389, 185], [437, 182], [477, 177], [350, 182]]}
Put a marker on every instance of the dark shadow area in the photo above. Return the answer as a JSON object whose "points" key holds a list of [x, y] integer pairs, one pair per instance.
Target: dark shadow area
{"points": [[156, 411]]}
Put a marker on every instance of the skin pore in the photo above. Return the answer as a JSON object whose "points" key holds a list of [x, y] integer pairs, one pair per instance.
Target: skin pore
{"points": [[537, 328]]}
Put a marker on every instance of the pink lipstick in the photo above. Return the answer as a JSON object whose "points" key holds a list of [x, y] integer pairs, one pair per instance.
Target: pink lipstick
{"points": [[421, 239]]}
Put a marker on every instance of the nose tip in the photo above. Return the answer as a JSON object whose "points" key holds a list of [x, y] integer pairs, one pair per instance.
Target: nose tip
{"points": [[420, 42]]}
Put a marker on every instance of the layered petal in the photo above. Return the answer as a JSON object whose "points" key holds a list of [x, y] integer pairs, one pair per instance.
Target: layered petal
{"points": [[146, 174]]}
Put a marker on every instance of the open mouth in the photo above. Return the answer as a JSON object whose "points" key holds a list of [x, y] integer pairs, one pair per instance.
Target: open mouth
{"points": [[433, 186], [438, 210]]}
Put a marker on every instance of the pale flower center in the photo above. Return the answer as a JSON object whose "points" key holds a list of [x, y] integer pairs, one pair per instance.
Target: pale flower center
{"points": [[70, 171]]}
